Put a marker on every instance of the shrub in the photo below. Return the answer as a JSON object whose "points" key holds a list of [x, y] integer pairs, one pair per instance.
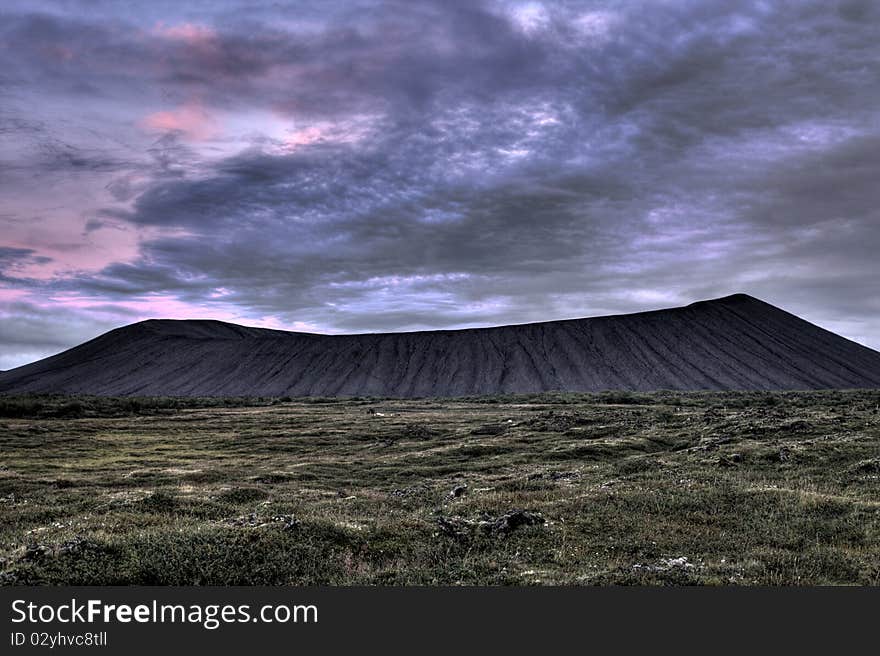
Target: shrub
{"points": [[159, 502], [20, 408], [71, 410], [242, 495]]}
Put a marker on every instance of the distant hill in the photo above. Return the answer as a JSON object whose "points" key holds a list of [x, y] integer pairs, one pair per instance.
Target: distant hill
{"points": [[732, 343]]}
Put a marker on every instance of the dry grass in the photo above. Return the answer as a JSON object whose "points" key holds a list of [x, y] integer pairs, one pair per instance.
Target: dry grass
{"points": [[632, 488]]}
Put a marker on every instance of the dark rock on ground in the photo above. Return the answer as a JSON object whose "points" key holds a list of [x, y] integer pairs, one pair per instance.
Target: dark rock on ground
{"points": [[870, 466], [413, 490], [454, 527], [490, 429], [78, 545], [512, 520], [458, 490], [459, 527], [35, 552]]}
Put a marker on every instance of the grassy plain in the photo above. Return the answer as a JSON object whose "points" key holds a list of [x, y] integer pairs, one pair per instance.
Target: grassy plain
{"points": [[615, 488]]}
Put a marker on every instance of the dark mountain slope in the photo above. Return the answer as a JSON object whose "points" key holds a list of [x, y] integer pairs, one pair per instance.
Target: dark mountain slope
{"points": [[736, 342]]}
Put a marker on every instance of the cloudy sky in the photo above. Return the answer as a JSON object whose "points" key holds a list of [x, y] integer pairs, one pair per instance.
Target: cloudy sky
{"points": [[367, 166]]}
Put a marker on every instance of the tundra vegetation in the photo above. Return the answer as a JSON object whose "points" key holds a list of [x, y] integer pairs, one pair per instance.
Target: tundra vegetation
{"points": [[613, 488]]}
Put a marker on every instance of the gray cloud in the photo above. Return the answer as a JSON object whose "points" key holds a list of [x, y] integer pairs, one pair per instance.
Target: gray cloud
{"points": [[13, 259], [606, 157], [29, 332]]}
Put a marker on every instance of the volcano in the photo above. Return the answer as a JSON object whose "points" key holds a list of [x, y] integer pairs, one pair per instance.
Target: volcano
{"points": [[733, 343]]}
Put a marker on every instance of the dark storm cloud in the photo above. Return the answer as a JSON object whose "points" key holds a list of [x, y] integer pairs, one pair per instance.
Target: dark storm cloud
{"points": [[400, 55], [10, 256], [13, 259], [484, 162]]}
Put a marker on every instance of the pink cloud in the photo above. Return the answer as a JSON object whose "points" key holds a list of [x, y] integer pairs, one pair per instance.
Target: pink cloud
{"points": [[68, 250], [343, 132], [191, 119], [166, 306], [9, 295], [58, 53], [190, 33], [303, 137]]}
